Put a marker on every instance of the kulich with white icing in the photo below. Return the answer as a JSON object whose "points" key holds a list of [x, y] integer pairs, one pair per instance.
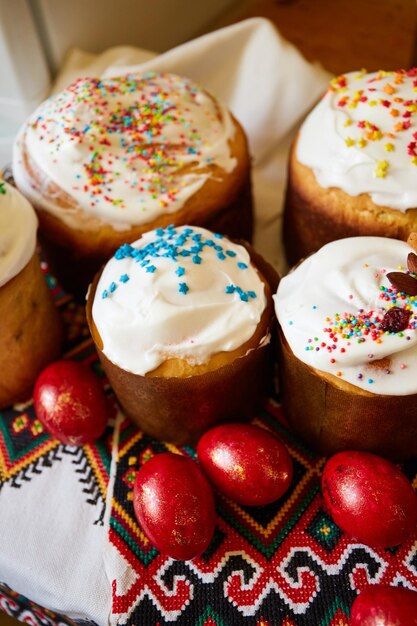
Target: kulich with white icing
{"points": [[362, 137], [126, 149], [331, 310], [176, 293], [18, 225]]}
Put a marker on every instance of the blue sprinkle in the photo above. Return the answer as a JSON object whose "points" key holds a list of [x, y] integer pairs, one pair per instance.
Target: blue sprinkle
{"points": [[231, 253], [242, 266], [251, 294], [183, 288], [145, 262], [124, 278], [230, 289], [180, 271], [196, 237], [209, 243], [370, 381], [218, 248], [218, 236], [221, 256], [197, 259], [105, 294], [185, 253], [243, 296], [151, 269], [124, 251], [160, 232], [113, 287]]}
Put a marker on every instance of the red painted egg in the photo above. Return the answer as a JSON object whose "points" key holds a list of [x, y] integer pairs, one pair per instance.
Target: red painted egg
{"points": [[246, 463], [174, 505], [70, 402], [369, 498], [381, 605]]}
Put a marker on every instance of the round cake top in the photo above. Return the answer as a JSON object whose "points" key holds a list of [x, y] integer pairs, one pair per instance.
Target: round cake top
{"points": [[362, 137], [176, 293], [18, 225], [124, 149], [351, 310]]}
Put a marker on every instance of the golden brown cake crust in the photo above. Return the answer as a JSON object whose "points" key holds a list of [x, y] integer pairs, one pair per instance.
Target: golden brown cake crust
{"points": [[331, 415], [30, 332], [178, 402], [314, 215], [223, 204]]}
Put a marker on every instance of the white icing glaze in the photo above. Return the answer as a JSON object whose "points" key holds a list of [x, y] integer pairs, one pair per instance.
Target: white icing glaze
{"points": [[18, 225], [148, 318], [338, 142], [348, 276], [125, 149]]}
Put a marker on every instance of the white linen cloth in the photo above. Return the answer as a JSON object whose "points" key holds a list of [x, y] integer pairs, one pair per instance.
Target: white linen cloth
{"points": [[54, 553]]}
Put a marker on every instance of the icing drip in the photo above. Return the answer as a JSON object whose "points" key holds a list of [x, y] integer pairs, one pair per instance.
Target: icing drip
{"points": [[362, 137], [333, 312], [125, 149], [177, 292], [18, 226]]}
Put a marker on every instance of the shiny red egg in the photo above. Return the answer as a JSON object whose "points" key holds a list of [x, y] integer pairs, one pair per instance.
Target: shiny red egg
{"points": [[369, 498], [70, 402], [246, 463], [174, 504], [381, 605]]}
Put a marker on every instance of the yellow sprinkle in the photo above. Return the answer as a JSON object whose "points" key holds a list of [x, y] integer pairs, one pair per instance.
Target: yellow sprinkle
{"points": [[352, 105], [414, 160], [348, 122], [362, 142], [414, 88], [383, 73], [349, 142], [381, 169], [372, 103], [389, 147], [412, 108], [132, 460], [358, 94]]}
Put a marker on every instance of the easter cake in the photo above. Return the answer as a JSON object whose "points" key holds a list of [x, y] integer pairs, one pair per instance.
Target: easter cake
{"points": [[182, 320]]}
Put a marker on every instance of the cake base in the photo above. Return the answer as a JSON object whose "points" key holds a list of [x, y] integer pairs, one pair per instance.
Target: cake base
{"points": [[30, 332], [75, 265], [334, 417], [314, 215]]}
